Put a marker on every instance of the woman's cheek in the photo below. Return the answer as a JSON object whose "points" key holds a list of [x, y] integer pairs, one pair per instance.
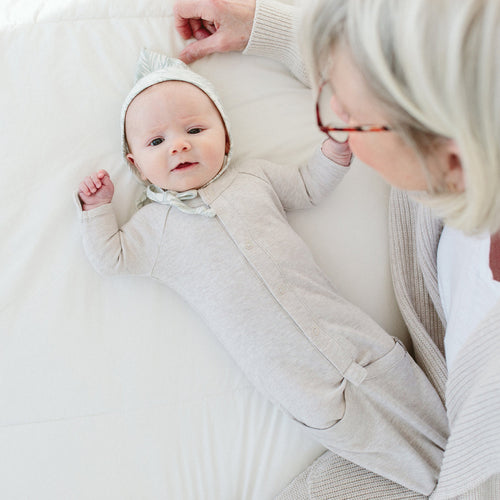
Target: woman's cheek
{"points": [[357, 147], [369, 153]]}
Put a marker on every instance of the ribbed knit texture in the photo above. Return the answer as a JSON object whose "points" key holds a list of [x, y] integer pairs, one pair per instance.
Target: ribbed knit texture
{"points": [[415, 303], [471, 462], [331, 477], [270, 37]]}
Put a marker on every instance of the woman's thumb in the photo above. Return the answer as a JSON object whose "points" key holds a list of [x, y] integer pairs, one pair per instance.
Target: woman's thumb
{"points": [[199, 48]]}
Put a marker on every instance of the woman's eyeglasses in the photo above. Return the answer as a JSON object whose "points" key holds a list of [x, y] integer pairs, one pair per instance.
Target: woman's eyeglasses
{"points": [[338, 132]]}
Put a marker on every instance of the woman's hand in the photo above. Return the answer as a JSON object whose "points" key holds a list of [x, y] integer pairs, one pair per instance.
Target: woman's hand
{"points": [[217, 26], [95, 190]]}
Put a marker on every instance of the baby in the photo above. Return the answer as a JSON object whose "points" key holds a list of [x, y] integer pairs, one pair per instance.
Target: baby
{"points": [[217, 234]]}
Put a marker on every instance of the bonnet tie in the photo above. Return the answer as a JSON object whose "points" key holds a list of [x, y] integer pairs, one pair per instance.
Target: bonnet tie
{"points": [[175, 199]]}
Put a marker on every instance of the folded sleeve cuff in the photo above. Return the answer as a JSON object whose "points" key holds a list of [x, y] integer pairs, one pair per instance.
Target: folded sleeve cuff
{"points": [[275, 35]]}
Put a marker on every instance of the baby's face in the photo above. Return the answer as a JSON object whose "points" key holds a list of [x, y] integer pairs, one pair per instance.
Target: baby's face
{"points": [[176, 136]]}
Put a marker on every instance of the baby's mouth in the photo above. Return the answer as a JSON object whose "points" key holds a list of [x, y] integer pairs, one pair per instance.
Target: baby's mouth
{"points": [[184, 165]]}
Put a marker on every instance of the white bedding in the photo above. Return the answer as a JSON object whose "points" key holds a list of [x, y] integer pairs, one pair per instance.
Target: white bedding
{"points": [[112, 388]]}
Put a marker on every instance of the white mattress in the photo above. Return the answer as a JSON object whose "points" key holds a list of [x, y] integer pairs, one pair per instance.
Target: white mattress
{"points": [[112, 388]]}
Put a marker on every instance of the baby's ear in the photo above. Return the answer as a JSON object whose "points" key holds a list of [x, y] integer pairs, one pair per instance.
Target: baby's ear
{"points": [[131, 160]]}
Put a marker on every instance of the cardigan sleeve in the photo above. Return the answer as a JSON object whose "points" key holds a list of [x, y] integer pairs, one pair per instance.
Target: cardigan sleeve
{"points": [[275, 35]]}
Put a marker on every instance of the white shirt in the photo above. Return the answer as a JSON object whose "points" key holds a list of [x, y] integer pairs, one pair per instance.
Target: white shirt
{"points": [[466, 285]]}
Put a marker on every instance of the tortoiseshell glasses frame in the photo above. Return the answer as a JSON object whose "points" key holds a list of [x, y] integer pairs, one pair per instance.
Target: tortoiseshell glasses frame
{"points": [[359, 128]]}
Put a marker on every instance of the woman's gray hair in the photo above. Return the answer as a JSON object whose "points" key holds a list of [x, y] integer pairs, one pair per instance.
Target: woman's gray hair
{"points": [[433, 66]]}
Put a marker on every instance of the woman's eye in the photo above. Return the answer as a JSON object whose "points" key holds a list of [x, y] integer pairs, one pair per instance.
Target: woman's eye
{"points": [[194, 130], [156, 142]]}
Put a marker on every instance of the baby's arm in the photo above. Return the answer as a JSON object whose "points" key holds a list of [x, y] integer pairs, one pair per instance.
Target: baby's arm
{"points": [[95, 190], [129, 249], [309, 184]]}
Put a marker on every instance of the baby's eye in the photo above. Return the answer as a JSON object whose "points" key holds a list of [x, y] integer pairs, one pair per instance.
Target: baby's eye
{"points": [[195, 130], [157, 141]]}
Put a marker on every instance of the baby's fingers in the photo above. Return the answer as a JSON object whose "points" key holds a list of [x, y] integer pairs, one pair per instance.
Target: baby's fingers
{"points": [[82, 188], [88, 186], [102, 173], [96, 179], [94, 182]]}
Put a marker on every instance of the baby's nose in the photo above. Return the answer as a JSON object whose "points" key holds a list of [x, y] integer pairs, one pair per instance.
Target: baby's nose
{"points": [[179, 145]]}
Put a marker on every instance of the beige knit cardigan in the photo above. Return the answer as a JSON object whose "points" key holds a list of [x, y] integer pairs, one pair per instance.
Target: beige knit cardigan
{"points": [[471, 465]]}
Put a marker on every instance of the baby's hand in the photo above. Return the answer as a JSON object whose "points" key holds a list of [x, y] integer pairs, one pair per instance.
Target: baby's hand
{"points": [[339, 152], [96, 190]]}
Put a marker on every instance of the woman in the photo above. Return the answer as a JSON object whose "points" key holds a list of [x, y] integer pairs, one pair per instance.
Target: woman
{"points": [[424, 76]]}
